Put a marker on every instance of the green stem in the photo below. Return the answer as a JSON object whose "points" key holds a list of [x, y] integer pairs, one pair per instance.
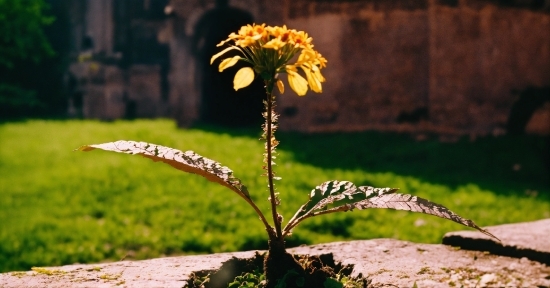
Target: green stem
{"points": [[270, 138]]}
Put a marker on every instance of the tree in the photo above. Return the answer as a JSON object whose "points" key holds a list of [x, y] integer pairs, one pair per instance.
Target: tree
{"points": [[23, 43], [22, 36]]}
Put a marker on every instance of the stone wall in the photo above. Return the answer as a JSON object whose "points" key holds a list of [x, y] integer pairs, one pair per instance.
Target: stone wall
{"points": [[436, 66], [444, 66], [500, 50], [120, 59]]}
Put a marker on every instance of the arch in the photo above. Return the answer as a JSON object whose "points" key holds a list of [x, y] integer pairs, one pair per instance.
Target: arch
{"points": [[530, 99], [220, 104]]}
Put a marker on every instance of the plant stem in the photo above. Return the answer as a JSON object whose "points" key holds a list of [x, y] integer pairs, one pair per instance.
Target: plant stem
{"points": [[270, 146], [258, 211]]}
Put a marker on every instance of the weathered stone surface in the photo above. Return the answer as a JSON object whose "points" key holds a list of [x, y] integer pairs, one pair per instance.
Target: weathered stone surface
{"points": [[385, 261], [400, 263], [161, 272], [530, 240]]}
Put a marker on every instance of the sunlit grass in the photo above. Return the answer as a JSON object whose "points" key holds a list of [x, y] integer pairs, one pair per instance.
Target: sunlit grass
{"points": [[60, 207]]}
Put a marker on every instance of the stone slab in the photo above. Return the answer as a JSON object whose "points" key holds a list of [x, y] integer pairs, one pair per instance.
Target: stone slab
{"points": [[159, 272], [528, 239], [401, 263], [385, 261]]}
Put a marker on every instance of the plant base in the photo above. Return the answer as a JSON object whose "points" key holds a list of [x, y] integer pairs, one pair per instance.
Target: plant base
{"points": [[317, 269]]}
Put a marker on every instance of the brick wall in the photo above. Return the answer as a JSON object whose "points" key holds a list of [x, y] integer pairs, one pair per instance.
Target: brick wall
{"points": [[439, 66]]}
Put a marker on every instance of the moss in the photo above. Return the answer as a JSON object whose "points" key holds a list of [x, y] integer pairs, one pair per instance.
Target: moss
{"points": [[40, 270], [18, 274], [110, 277], [423, 270], [97, 269]]}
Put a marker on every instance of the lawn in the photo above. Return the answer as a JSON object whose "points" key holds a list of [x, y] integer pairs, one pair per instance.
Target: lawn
{"points": [[59, 207]]}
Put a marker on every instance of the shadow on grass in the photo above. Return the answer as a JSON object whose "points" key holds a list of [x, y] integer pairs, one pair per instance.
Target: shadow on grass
{"points": [[509, 165]]}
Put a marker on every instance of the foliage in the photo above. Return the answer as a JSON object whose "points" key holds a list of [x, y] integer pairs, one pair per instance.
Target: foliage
{"points": [[248, 279], [22, 36], [252, 275], [14, 96], [30, 62], [268, 49], [57, 208]]}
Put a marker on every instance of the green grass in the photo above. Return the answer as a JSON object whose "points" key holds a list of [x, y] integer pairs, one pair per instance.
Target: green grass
{"points": [[61, 207]]}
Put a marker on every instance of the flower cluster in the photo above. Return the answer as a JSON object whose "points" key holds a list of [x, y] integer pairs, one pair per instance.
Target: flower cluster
{"points": [[269, 49]]}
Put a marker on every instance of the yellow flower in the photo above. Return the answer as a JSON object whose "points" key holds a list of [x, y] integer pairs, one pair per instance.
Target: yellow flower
{"points": [[281, 86], [268, 50], [243, 78], [296, 82], [275, 43]]}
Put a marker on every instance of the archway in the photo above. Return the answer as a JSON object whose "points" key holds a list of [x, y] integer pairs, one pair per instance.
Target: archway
{"points": [[220, 103], [530, 99]]}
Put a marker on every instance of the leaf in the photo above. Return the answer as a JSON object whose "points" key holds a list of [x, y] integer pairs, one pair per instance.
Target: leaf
{"points": [[188, 161], [408, 202], [347, 197], [330, 192], [333, 191], [332, 283]]}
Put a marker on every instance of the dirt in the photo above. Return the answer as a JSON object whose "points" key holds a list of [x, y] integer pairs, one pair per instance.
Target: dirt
{"points": [[318, 268]]}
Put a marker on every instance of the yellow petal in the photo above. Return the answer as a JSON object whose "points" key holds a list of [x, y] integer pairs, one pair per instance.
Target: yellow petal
{"points": [[226, 63], [222, 52], [275, 43], [232, 36], [281, 86], [312, 80], [297, 83], [223, 42], [317, 73], [243, 78]]}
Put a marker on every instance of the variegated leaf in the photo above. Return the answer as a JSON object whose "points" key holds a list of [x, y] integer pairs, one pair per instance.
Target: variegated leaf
{"points": [[329, 192], [188, 161], [375, 192], [415, 204], [333, 191], [346, 196]]}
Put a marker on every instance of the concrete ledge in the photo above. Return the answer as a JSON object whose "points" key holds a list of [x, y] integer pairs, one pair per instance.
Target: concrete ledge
{"points": [[401, 263], [384, 261], [529, 239]]}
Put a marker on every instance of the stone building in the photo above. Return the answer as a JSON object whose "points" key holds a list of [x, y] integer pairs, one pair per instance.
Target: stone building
{"points": [[444, 66], [120, 59]]}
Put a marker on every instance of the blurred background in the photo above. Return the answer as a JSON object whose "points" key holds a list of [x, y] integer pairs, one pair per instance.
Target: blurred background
{"points": [[450, 67], [446, 99]]}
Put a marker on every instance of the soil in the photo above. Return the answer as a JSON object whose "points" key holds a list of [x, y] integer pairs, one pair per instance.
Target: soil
{"points": [[318, 268]]}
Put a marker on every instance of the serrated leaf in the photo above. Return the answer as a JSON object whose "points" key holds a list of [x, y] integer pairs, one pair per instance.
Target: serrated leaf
{"points": [[330, 192], [335, 191], [187, 161], [346, 196], [411, 203]]}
